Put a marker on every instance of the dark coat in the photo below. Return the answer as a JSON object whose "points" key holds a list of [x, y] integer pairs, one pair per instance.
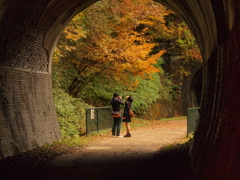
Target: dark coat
{"points": [[115, 103], [128, 105]]}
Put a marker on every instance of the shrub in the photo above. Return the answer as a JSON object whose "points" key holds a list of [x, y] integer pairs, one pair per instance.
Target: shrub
{"points": [[71, 113]]}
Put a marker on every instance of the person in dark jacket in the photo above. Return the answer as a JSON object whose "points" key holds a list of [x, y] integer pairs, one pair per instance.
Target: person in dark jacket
{"points": [[116, 102], [126, 116]]}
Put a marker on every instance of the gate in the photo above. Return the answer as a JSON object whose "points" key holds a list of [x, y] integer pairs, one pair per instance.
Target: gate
{"points": [[192, 118], [98, 118]]}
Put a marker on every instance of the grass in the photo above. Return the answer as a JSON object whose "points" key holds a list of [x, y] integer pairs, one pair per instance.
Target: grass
{"points": [[138, 123], [174, 118]]}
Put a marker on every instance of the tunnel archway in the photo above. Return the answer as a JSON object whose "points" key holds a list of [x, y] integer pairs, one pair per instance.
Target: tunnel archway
{"points": [[28, 33]]}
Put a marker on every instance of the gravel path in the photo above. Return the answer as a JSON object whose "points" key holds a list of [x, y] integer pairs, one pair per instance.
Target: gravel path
{"points": [[119, 158]]}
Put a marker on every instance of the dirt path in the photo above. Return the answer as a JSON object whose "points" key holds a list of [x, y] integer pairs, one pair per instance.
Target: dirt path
{"points": [[143, 142], [119, 158]]}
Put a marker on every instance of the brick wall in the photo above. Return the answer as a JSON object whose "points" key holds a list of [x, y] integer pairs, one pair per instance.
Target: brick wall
{"points": [[27, 112]]}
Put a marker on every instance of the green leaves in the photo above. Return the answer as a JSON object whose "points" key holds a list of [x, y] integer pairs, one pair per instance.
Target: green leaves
{"points": [[116, 46], [104, 39], [71, 113]]}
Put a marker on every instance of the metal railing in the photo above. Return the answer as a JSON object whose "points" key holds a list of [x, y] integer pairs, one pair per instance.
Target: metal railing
{"points": [[192, 117], [98, 118]]}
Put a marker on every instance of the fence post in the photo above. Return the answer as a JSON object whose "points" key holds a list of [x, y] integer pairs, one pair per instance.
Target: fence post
{"points": [[192, 118], [97, 121], [86, 114]]}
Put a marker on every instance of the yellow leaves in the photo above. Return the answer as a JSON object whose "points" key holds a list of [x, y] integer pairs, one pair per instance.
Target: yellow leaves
{"points": [[56, 51], [55, 59], [139, 62], [105, 39], [184, 72], [73, 34], [74, 30], [69, 48], [154, 57], [147, 22]]}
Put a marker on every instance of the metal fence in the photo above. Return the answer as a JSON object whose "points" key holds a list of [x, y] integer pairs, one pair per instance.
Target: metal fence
{"points": [[192, 118], [98, 118]]}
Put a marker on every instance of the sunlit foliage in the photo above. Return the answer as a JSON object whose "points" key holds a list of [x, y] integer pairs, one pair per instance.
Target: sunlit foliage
{"points": [[117, 46]]}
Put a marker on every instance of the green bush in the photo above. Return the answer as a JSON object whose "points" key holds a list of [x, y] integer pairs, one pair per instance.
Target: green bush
{"points": [[71, 113]]}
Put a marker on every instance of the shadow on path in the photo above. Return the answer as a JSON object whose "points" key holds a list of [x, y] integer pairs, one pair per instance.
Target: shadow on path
{"points": [[171, 165], [106, 160]]}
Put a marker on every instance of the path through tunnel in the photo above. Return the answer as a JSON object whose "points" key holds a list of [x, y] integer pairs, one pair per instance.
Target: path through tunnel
{"points": [[29, 32], [146, 155]]}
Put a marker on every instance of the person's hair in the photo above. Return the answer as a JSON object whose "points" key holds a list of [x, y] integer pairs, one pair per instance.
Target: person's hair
{"points": [[115, 94], [130, 98]]}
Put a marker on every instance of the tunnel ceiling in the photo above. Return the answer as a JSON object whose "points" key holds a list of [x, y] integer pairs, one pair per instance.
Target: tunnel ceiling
{"points": [[46, 19]]}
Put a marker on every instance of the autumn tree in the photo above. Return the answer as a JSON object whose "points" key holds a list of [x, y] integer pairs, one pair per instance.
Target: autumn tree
{"points": [[120, 41], [105, 39]]}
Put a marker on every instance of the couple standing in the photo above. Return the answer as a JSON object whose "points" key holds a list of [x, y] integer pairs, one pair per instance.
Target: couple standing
{"points": [[115, 103]]}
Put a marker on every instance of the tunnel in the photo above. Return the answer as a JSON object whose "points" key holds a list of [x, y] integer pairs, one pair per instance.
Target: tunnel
{"points": [[29, 32]]}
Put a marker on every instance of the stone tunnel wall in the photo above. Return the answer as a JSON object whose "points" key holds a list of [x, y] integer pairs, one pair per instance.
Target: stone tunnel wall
{"points": [[215, 152], [27, 114]]}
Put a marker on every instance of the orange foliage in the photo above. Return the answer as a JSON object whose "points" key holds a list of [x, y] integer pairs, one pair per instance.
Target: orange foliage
{"points": [[109, 43], [112, 37]]}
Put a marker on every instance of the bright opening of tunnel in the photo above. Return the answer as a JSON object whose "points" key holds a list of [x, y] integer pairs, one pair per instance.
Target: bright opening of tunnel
{"points": [[28, 35]]}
